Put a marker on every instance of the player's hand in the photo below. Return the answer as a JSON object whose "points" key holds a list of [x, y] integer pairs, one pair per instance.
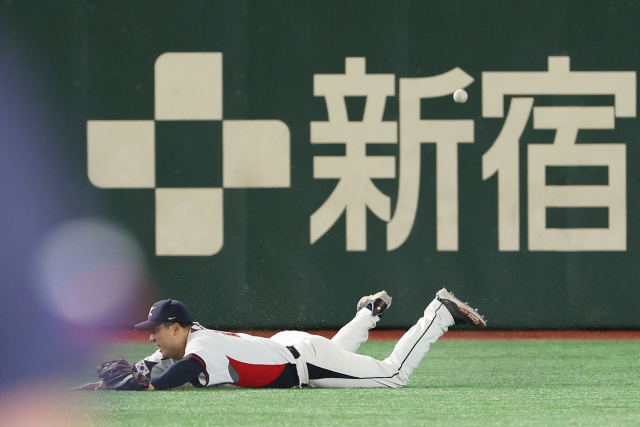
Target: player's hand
{"points": [[91, 386]]}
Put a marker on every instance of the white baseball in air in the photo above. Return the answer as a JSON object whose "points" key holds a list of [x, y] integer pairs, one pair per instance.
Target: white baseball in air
{"points": [[460, 96]]}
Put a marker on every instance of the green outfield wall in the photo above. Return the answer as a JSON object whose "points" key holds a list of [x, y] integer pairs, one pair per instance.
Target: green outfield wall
{"points": [[276, 160]]}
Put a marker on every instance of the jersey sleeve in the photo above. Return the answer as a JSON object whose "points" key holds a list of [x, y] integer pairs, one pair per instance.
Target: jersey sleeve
{"points": [[148, 363], [182, 372], [213, 360]]}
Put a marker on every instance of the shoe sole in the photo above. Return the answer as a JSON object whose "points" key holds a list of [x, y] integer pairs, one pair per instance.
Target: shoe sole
{"points": [[382, 295], [464, 308]]}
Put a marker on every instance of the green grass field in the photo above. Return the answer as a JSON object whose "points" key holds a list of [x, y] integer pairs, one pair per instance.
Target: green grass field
{"points": [[475, 383]]}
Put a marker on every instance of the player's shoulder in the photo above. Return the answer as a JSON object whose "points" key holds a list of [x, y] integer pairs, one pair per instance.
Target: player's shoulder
{"points": [[207, 343], [196, 327], [200, 333], [197, 332]]}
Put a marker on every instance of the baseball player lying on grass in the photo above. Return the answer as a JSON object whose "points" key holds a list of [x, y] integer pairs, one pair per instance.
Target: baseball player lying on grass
{"points": [[188, 352]]}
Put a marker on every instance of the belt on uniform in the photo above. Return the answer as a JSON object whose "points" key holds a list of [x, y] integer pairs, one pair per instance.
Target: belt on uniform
{"points": [[301, 367], [293, 351]]}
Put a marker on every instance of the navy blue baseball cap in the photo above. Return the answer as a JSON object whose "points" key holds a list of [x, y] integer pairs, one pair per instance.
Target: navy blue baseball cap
{"points": [[168, 310]]}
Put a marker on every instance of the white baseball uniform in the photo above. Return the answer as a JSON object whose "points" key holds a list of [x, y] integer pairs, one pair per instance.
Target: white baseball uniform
{"points": [[247, 361]]}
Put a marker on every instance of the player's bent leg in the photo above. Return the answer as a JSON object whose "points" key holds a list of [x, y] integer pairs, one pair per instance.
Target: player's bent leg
{"points": [[444, 311], [335, 368], [415, 343], [330, 366], [356, 332]]}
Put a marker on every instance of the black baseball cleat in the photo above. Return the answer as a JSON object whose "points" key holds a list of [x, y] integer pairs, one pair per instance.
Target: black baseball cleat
{"points": [[377, 303], [462, 312]]}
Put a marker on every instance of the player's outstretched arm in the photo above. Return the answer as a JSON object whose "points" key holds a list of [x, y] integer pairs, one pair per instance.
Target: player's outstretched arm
{"points": [[182, 372], [117, 375]]}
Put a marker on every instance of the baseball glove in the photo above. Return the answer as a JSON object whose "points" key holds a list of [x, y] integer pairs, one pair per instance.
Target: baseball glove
{"points": [[120, 375]]}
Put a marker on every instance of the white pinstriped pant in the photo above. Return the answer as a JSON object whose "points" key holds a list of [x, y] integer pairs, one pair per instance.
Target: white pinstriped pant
{"points": [[334, 364]]}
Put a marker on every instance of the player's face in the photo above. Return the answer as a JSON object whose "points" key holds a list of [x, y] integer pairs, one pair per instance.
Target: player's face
{"points": [[164, 338]]}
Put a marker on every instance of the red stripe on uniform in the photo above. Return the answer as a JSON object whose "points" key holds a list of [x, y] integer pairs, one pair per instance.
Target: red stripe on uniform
{"points": [[255, 375]]}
